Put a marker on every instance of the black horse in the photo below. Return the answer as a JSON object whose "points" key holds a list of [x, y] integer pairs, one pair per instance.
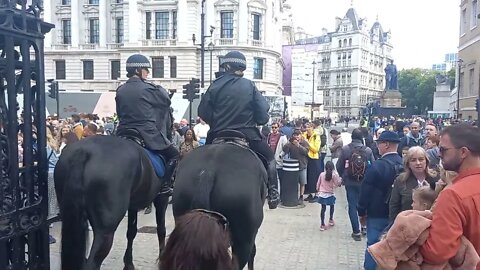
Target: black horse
{"points": [[98, 179], [229, 179]]}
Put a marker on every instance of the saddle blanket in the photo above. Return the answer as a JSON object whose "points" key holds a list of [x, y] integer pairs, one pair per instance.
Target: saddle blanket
{"points": [[157, 161]]}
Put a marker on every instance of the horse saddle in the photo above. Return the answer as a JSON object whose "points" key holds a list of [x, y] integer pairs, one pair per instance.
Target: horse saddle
{"points": [[157, 161], [232, 137]]}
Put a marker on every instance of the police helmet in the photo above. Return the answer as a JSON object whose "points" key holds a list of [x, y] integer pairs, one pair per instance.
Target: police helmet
{"points": [[235, 59], [137, 61]]}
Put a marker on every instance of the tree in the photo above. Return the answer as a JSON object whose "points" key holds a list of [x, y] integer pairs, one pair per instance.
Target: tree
{"points": [[417, 87]]}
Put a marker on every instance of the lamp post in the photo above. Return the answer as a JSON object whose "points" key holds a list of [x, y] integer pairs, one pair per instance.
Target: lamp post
{"points": [[313, 90], [210, 48], [202, 44], [460, 63]]}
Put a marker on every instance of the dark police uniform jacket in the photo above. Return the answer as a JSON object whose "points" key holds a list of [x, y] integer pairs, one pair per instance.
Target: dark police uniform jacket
{"points": [[233, 102], [145, 107]]}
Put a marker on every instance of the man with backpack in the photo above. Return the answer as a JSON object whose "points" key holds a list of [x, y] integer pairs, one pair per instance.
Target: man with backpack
{"points": [[376, 189], [352, 164]]}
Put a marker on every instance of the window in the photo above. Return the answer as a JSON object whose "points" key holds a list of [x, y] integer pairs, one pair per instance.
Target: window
{"points": [[60, 69], [258, 68], [174, 24], [88, 69], [93, 2], [67, 31], [119, 30], [221, 69], [226, 27], [463, 22], [158, 67], [350, 42], [161, 25], [94, 31], [173, 67], [148, 25], [115, 69], [66, 2], [473, 15], [339, 43], [256, 26], [470, 81]]}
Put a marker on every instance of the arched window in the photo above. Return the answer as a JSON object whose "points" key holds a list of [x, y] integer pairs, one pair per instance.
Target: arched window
{"points": [[339, 43], [350, 42], [345, 43]]}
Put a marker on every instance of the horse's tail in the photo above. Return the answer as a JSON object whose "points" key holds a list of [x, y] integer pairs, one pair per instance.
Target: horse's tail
{"points": [[74, 218], [204, 188]]}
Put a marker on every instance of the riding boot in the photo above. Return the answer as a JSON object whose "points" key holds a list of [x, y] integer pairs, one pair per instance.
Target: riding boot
{"points": [[273, 195], [167, 189]]}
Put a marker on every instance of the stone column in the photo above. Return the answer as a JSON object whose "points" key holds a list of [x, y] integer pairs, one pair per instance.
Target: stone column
{"points": [[75, 23], [134, 23], [103, 22]]}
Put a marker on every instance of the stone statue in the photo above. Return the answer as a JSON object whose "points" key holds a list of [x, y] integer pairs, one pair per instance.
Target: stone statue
{"points": [[391, 77], [442, 79]]}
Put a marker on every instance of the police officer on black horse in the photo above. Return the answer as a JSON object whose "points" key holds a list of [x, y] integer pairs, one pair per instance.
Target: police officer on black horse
{"points": [[234, 103], [145, 107]]}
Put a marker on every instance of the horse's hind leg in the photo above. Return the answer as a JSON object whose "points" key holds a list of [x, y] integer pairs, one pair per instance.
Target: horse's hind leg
{"points": [[251, 261], [243, 250], [102, 243], [131, 233], [161, 203]]}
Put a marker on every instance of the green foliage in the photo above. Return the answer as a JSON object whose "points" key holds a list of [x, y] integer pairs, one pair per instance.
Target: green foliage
{"points": [[451, 75], [417, 87]]}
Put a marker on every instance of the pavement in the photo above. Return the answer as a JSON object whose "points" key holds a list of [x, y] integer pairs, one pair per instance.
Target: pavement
{"points": [[288, 239]]}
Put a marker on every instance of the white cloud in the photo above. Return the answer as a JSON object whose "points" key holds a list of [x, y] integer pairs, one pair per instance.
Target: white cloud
{"points": [[423, 31]]}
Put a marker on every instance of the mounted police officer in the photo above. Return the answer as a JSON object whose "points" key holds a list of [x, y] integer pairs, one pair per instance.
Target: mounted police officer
{"points": [[234, 103], [145, 107]]}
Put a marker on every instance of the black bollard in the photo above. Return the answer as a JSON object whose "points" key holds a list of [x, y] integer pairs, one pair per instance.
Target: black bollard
{"points": [[289, 183]]}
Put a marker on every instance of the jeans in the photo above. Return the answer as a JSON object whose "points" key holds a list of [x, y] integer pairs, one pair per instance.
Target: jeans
{"points": [[353, 195], [321, 162], [375, 226]]}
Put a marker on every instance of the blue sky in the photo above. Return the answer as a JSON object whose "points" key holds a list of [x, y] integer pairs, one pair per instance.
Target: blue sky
{"points": [[423, 31]]}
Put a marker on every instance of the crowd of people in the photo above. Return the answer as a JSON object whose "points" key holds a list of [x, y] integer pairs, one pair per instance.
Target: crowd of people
{"points": [[388, 167]]}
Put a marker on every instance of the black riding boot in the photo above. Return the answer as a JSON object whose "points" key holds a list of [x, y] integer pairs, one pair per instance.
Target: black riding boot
{"points": [[273, 196], [167, 178]]}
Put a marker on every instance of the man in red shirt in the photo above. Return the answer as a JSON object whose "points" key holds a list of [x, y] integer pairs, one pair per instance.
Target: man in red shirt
{"points": [[457, 209]]}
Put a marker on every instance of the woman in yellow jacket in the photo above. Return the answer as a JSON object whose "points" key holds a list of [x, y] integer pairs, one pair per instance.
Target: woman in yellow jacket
{"points": [[313, 166]]}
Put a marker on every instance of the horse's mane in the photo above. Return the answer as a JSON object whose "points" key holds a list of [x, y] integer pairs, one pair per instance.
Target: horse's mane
{"points": [[199, 241]]}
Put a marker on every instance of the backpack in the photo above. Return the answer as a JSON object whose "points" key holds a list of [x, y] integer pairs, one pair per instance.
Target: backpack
{"points": [[323, 138], [398, 168], [358, 162]]}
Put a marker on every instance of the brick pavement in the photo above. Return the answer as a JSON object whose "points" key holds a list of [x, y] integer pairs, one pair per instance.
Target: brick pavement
{"points": [[288, 239]]}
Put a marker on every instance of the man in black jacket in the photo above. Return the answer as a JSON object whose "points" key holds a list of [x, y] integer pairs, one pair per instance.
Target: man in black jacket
{"points": [[233, 102], [145, 107], [375, 190]]}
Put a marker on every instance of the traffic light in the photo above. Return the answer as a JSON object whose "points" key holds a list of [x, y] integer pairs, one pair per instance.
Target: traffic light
{"points": [[186, 91], [196, 88], [52, 88], [192, 90], [477, 101]]}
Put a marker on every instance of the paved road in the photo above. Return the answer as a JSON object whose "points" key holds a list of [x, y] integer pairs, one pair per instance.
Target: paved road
{"points": [[288, 239]]}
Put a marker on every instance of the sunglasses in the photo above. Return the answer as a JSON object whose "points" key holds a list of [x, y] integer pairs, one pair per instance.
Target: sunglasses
{"points": [[443, 150], [219, 217]]}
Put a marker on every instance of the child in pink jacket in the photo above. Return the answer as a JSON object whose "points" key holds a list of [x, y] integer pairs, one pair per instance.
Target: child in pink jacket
{"points": [[326, 184]]}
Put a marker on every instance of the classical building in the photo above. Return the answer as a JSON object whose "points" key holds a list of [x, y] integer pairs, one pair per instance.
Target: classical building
{"points": [[469, 59], [342, 69], [87, 50]]}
